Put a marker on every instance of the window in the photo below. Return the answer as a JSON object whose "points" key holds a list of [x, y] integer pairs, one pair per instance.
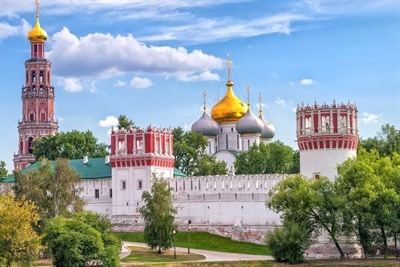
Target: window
{"points": [[96, 193], [31, 117], [42, 117], [140, 184], [123, 185], [316, 175], [110, 193], [30, 144]]}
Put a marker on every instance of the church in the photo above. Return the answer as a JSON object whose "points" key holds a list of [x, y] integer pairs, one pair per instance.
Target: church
{"points": [[230, 205]]}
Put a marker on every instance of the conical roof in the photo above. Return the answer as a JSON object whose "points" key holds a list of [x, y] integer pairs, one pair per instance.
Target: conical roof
{"points": [[249, 124], [229, 109], [205, 125]]}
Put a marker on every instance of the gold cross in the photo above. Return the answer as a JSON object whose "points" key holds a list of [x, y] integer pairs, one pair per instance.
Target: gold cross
{"points": [[228, 66]]}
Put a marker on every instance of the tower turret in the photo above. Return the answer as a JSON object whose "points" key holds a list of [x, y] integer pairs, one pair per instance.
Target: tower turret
{"points": [[37, 98], [326, 136]]}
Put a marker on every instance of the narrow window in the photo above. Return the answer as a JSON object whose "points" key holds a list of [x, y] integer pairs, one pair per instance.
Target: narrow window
{"points": [[42, 117], [140, 184], [41, 77], [226, 139], [30, 145], [31, 117], [123, 185], [110, 192], [96, 193], [33, 76]]}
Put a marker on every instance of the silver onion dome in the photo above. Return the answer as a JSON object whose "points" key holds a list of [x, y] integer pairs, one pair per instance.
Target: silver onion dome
{"points": [[205, 125], [268, 131], [249, 124]]}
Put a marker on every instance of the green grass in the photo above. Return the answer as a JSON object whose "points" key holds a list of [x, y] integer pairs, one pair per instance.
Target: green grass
{"points": [[207, 241], [140, 254]]}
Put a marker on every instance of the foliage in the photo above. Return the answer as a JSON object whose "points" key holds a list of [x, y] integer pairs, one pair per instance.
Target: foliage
{"points": [[274, 157], [158, 214], [386, 142], [370, 186], [70, 145], [190, 156], [3, 170], [310, 202], [124, 122], [54, 192], [18, 240], [84, 238], [288, 243]]}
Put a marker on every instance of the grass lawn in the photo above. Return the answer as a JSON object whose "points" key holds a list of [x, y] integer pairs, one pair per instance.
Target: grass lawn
{"points": [[207, 241], [140, 254]]}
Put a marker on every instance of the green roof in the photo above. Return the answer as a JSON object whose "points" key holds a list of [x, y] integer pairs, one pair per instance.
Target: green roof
{"points": [[95, 168]]}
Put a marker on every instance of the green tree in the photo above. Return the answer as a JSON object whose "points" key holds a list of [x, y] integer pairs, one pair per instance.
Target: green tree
{"points": [[386, 142], [368, 184], [82, 239], [3, 170], [312, 203], [54, 191], [190, 156], [19, 243], [124, 122], [158, 214], [69, 145], [274, 157], [288, 243]]}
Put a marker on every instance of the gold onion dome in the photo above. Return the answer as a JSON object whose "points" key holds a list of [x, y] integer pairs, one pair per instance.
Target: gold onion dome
{"points": [[37, 34], [229, 109]]}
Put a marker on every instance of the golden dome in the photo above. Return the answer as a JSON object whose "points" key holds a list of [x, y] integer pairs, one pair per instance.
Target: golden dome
{"points": [[37, 34], [230, 108]]}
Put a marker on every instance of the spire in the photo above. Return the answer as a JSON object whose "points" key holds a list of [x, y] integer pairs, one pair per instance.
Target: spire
{"points": [[228, 66], [204, 100], [248, 95], [37, 34]]}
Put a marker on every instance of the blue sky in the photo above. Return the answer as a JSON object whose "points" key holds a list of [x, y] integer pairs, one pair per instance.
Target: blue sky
{"points": [[151, 60]]}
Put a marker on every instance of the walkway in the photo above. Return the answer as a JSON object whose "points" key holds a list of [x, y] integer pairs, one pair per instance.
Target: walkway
{"points": [[210, 255]]}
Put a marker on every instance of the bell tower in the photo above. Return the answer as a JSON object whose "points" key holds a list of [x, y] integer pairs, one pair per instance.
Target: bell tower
{"points": [[37, 98]]}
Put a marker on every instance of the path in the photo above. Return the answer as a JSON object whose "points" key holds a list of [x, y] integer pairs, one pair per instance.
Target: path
{"points": [[210, 255]]}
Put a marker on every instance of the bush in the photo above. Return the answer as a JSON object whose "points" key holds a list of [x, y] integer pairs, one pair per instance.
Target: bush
{"points": [[288, 243]]}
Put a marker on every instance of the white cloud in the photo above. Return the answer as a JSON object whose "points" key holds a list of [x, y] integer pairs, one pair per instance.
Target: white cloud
{"points": [[7, 30], [72, 85], [104, 55], [280, 102], [307, 81], [370, 118], [92, 87], [109, 121], [204, 76], [119, 83], [138, 82]]}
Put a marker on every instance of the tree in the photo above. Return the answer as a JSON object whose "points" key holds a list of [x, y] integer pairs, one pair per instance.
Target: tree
{"points": [[386, 142], [55, 190], [3, 170], [190, 156], [274, 157], [158, 214], [124, 122], [313, 203], [83, 238], [69, 145], [19, 242], [288, 243], [368, 184]]}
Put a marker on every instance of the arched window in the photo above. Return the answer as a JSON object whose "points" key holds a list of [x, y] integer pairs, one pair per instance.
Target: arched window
{"points": [[33, 77], [30, 145], [41, 77], [31, 117]]}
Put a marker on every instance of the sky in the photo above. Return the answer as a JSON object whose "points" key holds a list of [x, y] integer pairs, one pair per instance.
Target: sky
{"points": [[151, 60]]}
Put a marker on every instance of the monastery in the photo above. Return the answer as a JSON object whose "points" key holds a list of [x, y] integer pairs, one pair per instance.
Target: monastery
{"points": [[230, 205]]}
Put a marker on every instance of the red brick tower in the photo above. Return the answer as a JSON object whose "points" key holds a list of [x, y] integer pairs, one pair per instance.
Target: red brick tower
{"points": [[37, 98]]}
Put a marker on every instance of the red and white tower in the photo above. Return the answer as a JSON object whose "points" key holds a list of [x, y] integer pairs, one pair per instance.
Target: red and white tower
{"points": [[37, 98], [135, 155], [326, 135]]}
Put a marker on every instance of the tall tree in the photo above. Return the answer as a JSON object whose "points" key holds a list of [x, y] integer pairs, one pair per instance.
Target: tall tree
{"points": [[19, 243], [3, 170], [82, 239], [158, 214], [313, 203], [70, 145], [54, 190], [124, 122], [368, 184], [386, 142], [190, 156], [274, 157]]}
